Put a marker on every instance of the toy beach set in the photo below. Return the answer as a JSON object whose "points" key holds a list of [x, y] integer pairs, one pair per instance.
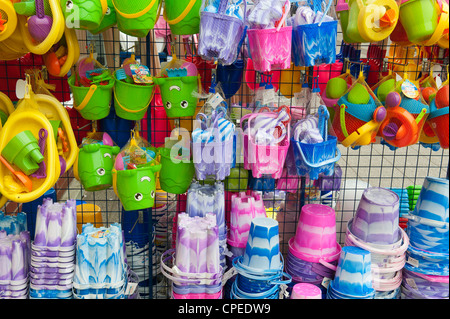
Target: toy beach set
{"points": [[223, 136]]}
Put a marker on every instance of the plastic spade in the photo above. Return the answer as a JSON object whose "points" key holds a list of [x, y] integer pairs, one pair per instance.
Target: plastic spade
{"points": [[40, 24], [24, 179]]}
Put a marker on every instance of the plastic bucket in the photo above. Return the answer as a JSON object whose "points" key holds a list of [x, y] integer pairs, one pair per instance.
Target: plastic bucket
{"points": [[433, 201], [230, 77], [131, 101], [314, 44], [87, 15], [175, 175], [136, 187], [419, 19], [439, 122], [313, 159], [268, 48], [219, 37], [136, 18], [94, 165], [183, 16], [214, 158], [179, 95], [93, 103], [109, 19]]}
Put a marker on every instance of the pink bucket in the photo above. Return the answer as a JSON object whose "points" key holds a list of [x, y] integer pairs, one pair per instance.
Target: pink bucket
{"points": [[265, 159], [270, 48], [244, 208], [325, 72], [315, 238]]}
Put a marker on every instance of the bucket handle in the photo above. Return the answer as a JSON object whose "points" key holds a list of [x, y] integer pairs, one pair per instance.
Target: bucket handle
{"points": [[326, 162], [183, 14], [443, 22], [133, 111], [86, 99], [136, 14]]}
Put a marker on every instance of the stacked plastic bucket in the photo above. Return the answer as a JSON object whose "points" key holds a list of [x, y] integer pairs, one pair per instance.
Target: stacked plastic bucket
{"points": [[426, 270], [375, 228], [260, 269], [53, 250], [314, 250], [101, 270], [196, 272]]}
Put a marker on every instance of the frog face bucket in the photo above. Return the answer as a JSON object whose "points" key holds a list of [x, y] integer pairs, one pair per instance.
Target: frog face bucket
{"points": [[136, 187], [179, 95], [94, 165]]}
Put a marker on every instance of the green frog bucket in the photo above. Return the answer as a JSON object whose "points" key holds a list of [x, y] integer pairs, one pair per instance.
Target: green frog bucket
{"points": [[95, 161], [136, 18], [176, 172], [84, 14], [183, 16], [180, 86], [134, 174]]}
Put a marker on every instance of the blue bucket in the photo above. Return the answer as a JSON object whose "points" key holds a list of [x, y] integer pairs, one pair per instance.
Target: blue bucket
{"points": [[230, 77], [313, 159], [313, 44]]}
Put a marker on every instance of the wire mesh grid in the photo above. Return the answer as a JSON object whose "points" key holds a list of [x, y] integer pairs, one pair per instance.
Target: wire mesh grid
{"points": [[375, 165]]}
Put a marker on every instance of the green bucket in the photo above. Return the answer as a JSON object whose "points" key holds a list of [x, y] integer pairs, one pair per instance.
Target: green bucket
{"points": [[178, 95], [131, 101], [93, 103], [82, 14], [419, 19], [183, 16], [237, 181], [136, 18], [109, 19], [413, 195], [24, 152], [352, 31], [94, 166], [176, 175], [136, 187]]}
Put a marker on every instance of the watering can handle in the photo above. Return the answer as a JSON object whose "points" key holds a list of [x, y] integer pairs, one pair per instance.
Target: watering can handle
{"points": [[87, 98]]}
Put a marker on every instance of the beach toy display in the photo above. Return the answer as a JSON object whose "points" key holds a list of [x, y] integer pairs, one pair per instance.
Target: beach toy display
{"points": [[428, 230], [439, 118], [315, 151], [368, 21], [314, 34], [183, 17], [15, 265], [95, 162], [260, 269], [376, 229], [212, 145], [405, 118], [176, 172], [133, 90], [244, 208], [134, 175], [266, 142], [269, 47], [136, 18], [221, 30], [26, 139], [353, 279], [100, 269], [196, 259], [358, 116], [53, 250], [92, 90], [88, 16], [424, 21], [209, 199], [178, 92]]}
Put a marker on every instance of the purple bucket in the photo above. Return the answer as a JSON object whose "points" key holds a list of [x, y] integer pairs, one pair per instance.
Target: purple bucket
{"points": [[220, 35]]}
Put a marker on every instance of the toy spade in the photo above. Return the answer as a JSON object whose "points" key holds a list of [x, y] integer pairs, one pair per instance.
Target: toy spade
{"points": [[24, 179], [40, 24]]}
